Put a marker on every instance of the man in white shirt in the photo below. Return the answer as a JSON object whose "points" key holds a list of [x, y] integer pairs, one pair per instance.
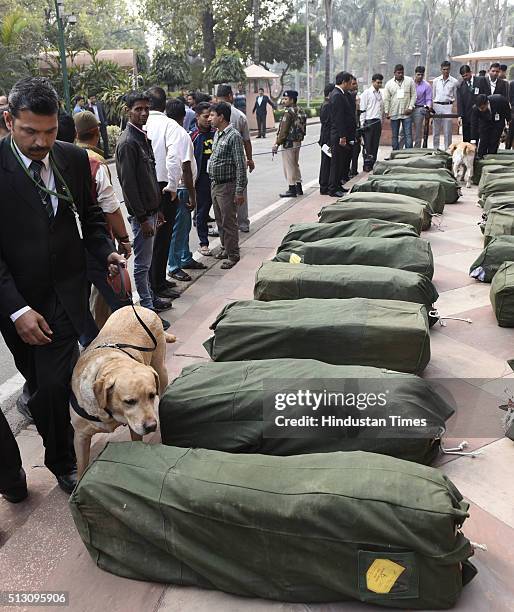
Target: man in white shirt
{"points": [[180, 257], [371, 113], [444, 94], [164, 134]]}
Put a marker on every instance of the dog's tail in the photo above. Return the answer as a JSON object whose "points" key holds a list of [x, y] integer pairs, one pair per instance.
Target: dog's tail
{"points": [[452, 148], [170, 338]]}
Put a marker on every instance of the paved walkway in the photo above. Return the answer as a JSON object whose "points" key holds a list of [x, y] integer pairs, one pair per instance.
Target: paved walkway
{"points": [[40, 549]]}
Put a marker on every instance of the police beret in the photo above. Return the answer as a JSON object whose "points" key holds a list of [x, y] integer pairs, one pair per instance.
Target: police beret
{"points": [[290, 93], [85, 121]]}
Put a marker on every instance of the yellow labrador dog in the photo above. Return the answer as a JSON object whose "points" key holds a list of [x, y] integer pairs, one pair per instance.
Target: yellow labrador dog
{"points": [[463, 158], [117, 379]]}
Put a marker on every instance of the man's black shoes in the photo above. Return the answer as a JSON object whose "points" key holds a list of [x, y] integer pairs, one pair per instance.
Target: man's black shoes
{"points": [[160, 304], [165, 324], [299, 190], [290, 193], [180, 275], [194, 265], [167, 293], [338, 194], [67, 481], [18, 491]]}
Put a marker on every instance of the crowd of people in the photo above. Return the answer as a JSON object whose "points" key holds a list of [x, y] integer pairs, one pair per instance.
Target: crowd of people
{"points": [[483, 107]]}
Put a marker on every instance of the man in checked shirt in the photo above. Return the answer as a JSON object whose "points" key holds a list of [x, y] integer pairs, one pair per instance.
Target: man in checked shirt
{"points": [[227, 171]]}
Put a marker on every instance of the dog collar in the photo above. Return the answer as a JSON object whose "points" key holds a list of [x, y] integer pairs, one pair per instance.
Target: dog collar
{"points": [[81, 412]]}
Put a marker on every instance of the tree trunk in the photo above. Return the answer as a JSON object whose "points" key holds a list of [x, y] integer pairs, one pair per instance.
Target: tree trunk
{"points": [[209, 46], [256, 32], [371, 46], [346, 48], [329, 35]]}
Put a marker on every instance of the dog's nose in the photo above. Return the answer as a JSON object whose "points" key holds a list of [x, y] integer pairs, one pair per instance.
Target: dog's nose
{"points": [[150, 426]]}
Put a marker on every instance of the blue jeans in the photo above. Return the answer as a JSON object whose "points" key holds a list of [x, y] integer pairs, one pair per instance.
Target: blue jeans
{"points": [[179, 246], [407, 132], [143, 250]]}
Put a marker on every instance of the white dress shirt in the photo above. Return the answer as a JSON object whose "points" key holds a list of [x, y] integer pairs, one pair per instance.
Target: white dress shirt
{"points": [[371, 105], [492, 84], [164, 134], [259, 100], [444, 91], [187, 154], [47, 176]]}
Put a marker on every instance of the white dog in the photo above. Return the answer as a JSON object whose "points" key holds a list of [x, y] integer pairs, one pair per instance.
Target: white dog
{"points": [[463, 158]]}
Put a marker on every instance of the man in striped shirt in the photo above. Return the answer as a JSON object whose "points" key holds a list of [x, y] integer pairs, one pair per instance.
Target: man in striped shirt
{"points": [[227, 171]]}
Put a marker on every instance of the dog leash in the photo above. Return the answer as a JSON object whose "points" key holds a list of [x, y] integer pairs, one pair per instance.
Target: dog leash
{"points": [[125, 294]]}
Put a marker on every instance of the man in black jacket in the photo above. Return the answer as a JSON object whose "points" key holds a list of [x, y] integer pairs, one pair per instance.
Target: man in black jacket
{"points": [[343, 126], [510, 134], [324, 141], [492, 84], [135, 164], [98, 111], [261, 109], [47, 221], [467, 92], [490, 114]]}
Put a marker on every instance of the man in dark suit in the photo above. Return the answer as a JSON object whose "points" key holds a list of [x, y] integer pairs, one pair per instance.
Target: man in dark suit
{"points": [[510, 134], [47, 221], [324, 141], [261, 109], [343, 126], [492, 84], [98, 111], [467, 92], [490, 114]]}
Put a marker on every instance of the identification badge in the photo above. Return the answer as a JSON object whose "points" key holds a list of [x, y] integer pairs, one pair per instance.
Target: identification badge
{"points": [[401, 94], [497, 117], [79, 226], [476, 91]]}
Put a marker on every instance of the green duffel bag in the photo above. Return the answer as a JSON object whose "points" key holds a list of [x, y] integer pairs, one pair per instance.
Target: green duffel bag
{"points": [[496, 183], [283, 281], [366, 228], [309, 528], [408, 253], [418, 151], [480, 164], [489, 172], [389, 207], [503, 199], [501, 153], [500, 222], [499, 250], [219, 406], [423, 161], [450, 187], [502, 294], [431, 191], [378, 333]]}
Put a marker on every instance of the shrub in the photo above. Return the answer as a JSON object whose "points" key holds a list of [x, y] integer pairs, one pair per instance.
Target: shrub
{"points": [[113, 134]]}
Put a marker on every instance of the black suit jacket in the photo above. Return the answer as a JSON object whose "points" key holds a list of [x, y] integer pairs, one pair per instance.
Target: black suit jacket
{"points": [[466, 99], [101, 113], [511, 93], [482, 123], [262, 108], [343, 122], [40, 260], [502, 87], [324, 118]]}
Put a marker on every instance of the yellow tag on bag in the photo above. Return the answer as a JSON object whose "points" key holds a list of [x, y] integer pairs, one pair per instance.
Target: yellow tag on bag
{"points": [[294, 258], [382, 574]]}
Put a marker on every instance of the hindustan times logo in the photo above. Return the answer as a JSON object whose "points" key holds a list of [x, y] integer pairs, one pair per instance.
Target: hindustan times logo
{"points": [[313, 400]]}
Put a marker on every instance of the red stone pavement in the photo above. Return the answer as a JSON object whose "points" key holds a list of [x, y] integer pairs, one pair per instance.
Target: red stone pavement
{"points": [[40, 549]]}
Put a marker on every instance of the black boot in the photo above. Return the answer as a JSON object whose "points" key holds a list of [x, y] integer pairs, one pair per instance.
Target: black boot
{"points": [[299, 189], [290, 193]]}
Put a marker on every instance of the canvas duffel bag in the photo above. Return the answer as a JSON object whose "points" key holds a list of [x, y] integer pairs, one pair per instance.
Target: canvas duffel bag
{"points": [[489, 172], [496, 183], [502, 294], [498, 250], [500, 222], [379, 333], [417, 215], [219, 406], [449, 186], [283, 281], [503, 199], [417, 151], [431, 191], [408, 253], [367, 228], [422, 161], [487, 161], [367, 527]]}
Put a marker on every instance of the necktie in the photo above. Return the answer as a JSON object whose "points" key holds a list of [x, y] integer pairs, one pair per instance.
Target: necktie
{"points": [[36, 167]]}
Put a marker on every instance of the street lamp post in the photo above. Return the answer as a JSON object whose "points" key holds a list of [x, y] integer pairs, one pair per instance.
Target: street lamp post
{"points": [[416, 55], [307, 52], [59, 12], [383, 66]]}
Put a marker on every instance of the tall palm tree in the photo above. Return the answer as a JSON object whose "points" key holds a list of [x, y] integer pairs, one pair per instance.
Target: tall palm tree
{"points": [[12, 64]]}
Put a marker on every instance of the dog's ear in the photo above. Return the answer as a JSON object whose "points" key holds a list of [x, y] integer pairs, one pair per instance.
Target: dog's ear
{"points": [[101, 388], [452, 148], [157, 381]]}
